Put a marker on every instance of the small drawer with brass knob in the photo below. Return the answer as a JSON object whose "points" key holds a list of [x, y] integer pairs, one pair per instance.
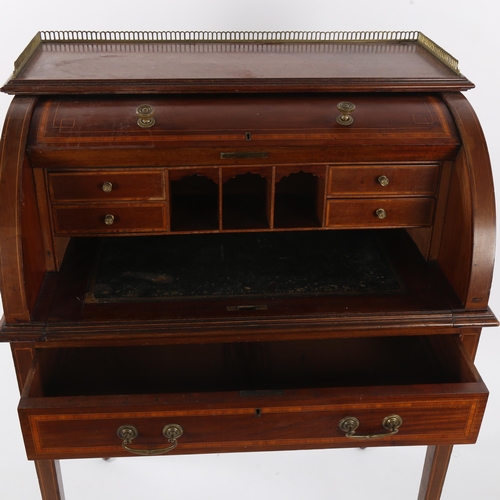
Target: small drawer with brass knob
{"points": [[382, 180], [383, 212], [133, 218], [108, 184]]}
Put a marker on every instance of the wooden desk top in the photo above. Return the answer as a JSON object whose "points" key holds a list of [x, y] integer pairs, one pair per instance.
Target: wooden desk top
{"points": [[159, 62]]}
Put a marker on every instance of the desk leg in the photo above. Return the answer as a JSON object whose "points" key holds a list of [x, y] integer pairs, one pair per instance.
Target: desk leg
{"points": [[435, 468], [49, 477]]}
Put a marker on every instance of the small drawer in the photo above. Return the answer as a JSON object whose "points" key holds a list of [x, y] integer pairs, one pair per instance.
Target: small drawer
{"points": [[211, 398], [109, 219], [106, 185], [379, 212], [382, 180]]}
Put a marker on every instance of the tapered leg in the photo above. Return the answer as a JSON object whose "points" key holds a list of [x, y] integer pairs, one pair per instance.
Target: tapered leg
{"points": [[435, 467], [49, 477]]}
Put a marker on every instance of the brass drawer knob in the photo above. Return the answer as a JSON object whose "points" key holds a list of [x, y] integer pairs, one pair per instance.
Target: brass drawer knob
{"points": [[128, 432], [381, 213], [109, 219], [391, 423], [346, 108], [145, 113], [383, 180], [107, 187]]}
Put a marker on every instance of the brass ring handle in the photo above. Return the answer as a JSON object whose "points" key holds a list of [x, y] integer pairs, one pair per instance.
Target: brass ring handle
{"points": [[391, 423], [145, 113], [107, 187], [381, 213], [383, 180], [128, 432], [109, 219], [346, 108]]}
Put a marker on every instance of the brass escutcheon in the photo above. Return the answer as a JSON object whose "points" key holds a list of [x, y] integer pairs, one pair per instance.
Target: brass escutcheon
{"points": [[145, 113], [346, 108]]}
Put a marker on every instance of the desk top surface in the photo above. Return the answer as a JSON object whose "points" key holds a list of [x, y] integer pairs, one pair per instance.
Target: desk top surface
{"points": [[157, 62]]}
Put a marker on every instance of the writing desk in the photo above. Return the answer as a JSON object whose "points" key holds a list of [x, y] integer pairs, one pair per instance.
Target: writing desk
{"points": [[221, 242]]}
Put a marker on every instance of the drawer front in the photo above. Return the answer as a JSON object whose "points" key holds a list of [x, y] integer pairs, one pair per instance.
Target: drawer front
{"points": [[251, 129], [105, 186], [253, 427], [382, 180], [379, 212], [109, 219], [232, 119]]}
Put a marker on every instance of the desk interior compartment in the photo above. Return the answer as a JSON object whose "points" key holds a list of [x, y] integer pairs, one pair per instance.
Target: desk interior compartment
{"points": [[258, 396], [194, 200], [246, 199], [299, 197]]}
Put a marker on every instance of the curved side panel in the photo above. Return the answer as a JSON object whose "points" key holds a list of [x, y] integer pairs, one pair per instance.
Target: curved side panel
{"points": [[12, 158], [467, 250]]}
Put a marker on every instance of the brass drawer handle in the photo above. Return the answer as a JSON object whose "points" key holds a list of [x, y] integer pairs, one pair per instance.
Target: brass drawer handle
{"points": [[381, 213], [383, 180], [349, 425], [109, 219], [128, 432], [145, 113], [346, 108], [107, 187]]}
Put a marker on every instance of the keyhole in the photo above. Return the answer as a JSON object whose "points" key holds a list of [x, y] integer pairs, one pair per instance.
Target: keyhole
{"points": [[258, 412], [248, 136]]}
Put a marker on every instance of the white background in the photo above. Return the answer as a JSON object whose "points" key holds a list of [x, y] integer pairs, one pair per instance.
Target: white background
{"points": [[468, 30]]}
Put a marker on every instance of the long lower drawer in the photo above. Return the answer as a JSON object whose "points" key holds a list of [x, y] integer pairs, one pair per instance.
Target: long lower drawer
{"points": [[249, 397]]}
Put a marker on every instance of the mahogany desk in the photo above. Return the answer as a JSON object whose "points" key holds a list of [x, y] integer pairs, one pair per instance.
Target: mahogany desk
{"points": [[219, 242]]}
